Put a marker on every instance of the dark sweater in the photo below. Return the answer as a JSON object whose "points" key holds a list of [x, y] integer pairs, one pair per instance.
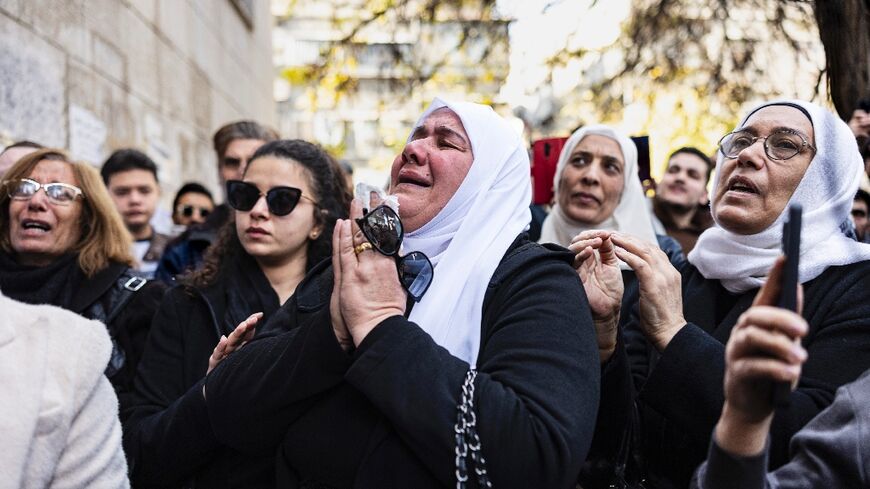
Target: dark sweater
{"points": [[680, 393], [383, 416]]}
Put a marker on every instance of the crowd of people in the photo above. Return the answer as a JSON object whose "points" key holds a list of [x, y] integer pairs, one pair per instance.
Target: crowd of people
{"points": [[294, 336]]}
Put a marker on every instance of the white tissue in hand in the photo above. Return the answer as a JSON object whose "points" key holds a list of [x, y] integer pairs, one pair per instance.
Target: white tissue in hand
{"points": [[371, 196]]}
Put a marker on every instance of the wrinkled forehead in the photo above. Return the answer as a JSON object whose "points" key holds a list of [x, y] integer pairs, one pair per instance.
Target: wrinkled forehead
{"points": [[53, 171], [777, 117], [599, 144], [440, 118]]}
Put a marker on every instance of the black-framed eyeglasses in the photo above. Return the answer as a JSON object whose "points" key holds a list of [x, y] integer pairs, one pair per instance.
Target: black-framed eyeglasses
{"points": [[383, 228], [778, 145], [58, 193], [188, 210], [243, 196]]}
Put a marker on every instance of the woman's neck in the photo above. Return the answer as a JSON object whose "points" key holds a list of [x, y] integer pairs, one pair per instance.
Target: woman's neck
{"points": [[285, 275]]}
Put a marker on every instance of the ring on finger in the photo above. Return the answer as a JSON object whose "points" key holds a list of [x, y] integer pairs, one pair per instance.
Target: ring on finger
{"points": [[362, 247]]}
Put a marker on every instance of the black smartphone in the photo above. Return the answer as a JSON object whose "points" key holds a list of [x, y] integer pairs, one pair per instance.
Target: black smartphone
{"points": [[791, 248]]}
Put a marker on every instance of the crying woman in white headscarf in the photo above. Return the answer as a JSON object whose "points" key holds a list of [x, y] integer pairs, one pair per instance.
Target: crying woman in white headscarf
{"points": [[781, 153], [439, 345]]}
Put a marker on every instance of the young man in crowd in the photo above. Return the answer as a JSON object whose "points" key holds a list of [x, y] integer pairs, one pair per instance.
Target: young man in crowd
{"points": [[680, 203], [14, 152], [192, 205], [131, 177], [234, 145]]}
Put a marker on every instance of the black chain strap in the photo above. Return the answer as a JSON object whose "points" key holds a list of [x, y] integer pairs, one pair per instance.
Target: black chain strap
{"points": [[467, 441]]}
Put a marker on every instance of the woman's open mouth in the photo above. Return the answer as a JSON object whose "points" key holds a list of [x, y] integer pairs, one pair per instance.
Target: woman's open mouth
{"points": [[742, 185]]}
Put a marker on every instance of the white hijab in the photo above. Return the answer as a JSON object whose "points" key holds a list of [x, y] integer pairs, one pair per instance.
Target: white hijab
{"points": [[631, 216], [826, 191], [468, 238]]}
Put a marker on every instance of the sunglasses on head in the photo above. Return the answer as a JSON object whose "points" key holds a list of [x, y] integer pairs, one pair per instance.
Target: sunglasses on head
{"points": [[243, 196], [57, 193], [188, 210], [383, 228]]}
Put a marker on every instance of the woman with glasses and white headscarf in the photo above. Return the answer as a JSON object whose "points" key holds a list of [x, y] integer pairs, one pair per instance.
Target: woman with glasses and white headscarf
{"points": [[786, 152], [359, 384]]}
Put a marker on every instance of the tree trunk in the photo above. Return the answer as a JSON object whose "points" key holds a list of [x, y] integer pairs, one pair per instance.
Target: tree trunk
{"points": [[844, 28]]}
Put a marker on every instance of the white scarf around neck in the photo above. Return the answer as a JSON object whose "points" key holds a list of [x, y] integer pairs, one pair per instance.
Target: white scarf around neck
{"points": [[826, 192], [468, 238]]}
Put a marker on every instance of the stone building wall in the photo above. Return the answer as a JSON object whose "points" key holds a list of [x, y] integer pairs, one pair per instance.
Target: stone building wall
{"points": [[158, 75]]}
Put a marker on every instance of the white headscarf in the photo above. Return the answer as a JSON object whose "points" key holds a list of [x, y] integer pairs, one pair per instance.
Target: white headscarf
{"points": [[468, 238], [826, 192], [631, 216]]}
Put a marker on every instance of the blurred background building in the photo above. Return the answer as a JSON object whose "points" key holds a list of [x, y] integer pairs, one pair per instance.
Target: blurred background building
{"points": [[159, 75], [355, 78]]}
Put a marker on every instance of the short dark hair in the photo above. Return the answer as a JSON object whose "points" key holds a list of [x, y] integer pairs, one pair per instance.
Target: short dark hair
{"points": [[240, 130], [863, 195], [125, 160], [695, 152], [23, 144], [863, 104], [190, 188]]}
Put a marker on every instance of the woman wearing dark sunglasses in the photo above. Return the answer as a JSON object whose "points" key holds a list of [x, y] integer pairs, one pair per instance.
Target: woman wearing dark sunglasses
{"points": [[285, 208], [359, 381]]}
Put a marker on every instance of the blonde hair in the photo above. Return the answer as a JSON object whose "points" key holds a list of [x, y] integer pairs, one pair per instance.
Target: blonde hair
{"points": [[104, 238]]}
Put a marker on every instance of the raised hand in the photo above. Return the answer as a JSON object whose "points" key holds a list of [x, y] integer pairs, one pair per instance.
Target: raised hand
{"points": [[367, 282], [598, 268], [243, 333], [660, 288], [763, 348]]}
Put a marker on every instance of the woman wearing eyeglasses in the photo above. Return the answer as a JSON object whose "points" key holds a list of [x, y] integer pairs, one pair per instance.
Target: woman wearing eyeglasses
{"points": [[787, 152], [285, 207], [63, 243], [382, 372]]}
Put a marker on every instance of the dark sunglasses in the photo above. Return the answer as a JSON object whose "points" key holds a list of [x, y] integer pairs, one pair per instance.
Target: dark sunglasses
{"points": [[383, 228], [858, 213], [188, 210], [243, 196]]}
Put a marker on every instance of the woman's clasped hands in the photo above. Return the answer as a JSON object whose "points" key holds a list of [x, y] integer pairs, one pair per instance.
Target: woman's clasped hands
{"points": [[366, 288], [597, 261]]}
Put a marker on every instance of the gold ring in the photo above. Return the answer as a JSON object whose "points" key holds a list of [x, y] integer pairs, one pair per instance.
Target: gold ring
{"points": [[362, 247]]}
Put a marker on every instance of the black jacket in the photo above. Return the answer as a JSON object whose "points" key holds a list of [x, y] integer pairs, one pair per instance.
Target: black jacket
{"points": [[383, 416], [167, 437], [126, 304], [680, 393]]}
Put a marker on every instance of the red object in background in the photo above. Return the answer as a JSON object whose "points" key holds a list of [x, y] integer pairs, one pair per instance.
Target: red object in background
{"points": [[545, 155]]}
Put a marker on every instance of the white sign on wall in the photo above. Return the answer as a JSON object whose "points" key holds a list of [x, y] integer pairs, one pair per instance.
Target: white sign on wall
{"points": [[87, 135]]}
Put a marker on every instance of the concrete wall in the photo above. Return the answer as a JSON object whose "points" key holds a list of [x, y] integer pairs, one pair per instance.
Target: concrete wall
{"points": [[158, 75]]}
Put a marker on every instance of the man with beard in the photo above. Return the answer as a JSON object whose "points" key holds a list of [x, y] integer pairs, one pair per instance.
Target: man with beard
{"points": [[681, 201]]}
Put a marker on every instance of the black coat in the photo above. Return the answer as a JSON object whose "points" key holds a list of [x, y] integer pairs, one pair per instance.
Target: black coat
{"points": [[680, 393], [167, 437], [383, 416]]}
